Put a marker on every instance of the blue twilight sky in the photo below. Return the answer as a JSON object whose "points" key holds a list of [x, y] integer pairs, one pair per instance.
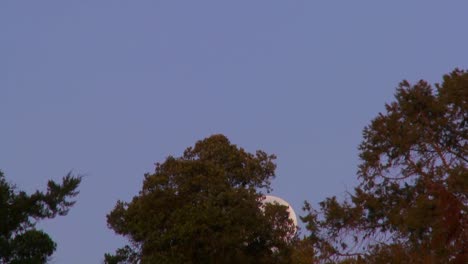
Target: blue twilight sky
{"points": [[108, 88]]}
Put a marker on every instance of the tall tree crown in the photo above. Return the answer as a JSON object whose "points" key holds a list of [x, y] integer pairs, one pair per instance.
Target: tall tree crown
{"points": [[204, 207], [411, 203]]}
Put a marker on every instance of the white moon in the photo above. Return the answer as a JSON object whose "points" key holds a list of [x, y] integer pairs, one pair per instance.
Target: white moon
{"points": [[272, 199]]}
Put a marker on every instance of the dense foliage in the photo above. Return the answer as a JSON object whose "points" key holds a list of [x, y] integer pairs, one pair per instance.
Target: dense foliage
{"points": [[205, 207], [411, 204], [20, 241]]}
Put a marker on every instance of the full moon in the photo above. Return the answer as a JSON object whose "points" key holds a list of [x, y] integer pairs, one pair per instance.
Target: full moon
{"points": [[273, 199]]}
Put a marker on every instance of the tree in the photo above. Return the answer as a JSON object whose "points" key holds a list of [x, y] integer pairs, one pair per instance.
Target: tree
{"points": [[20, 241], [411, 203], [204, 207]]}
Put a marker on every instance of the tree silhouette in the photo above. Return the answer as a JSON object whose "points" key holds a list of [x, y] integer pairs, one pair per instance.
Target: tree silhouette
{"points": [[411, 203], [20, 241], [204, 207]]}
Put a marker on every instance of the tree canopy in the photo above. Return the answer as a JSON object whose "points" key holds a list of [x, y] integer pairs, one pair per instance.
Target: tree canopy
{"points": [[205, 207], [411, 203], [20, 241]]}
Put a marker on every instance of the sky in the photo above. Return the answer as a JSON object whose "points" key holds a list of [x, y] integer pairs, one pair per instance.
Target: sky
{"points": [[108, 88]]}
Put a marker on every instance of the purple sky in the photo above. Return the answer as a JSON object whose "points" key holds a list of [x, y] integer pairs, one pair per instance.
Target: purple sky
{"points": [[108, 88]]}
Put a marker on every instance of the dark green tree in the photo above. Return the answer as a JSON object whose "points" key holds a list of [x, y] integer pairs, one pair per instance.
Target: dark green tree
{"points": [[20, 241], [411, 203], [205, 207]]}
